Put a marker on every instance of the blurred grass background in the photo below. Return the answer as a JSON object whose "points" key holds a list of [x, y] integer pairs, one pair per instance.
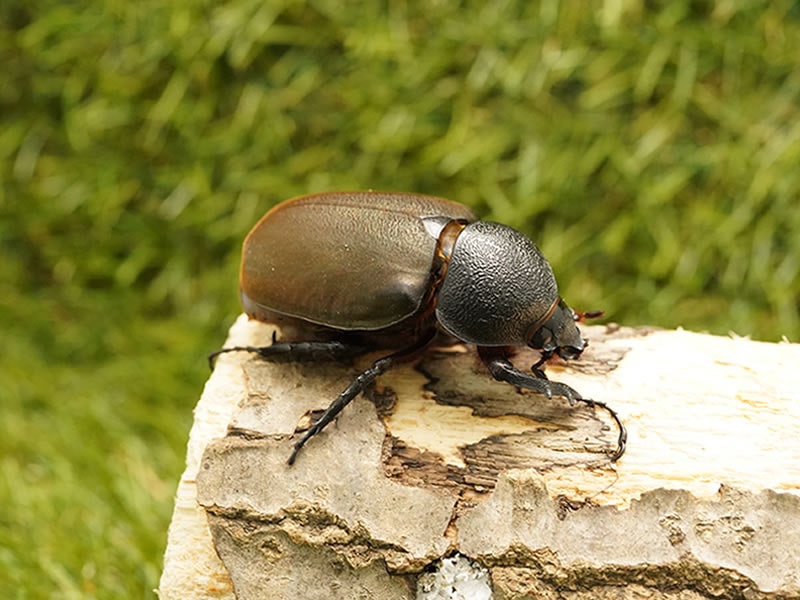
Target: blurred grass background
{"points": [[650, 148]]}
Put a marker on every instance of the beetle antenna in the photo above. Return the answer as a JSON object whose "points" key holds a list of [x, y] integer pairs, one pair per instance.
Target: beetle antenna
{"points": [[580, 317]]}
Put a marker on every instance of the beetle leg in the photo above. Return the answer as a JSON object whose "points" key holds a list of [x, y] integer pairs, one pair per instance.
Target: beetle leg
{"points": [[502, 370], [359, 384], [295, 351], [539, 371]]}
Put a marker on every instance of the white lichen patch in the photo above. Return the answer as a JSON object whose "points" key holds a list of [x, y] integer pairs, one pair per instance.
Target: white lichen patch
{"points": [[456, 578]]}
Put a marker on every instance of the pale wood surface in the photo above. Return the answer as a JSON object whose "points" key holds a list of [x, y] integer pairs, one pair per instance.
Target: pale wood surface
{"points": [[450, 458]]}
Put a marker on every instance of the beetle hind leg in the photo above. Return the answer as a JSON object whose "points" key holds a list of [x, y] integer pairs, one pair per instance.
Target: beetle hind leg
{"points": [[295, 351]]}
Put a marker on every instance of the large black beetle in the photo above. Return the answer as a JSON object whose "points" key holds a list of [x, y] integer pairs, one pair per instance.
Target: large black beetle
{"points": [[345, 273]]}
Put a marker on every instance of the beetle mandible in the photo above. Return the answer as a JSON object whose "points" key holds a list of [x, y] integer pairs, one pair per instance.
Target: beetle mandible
{"points": [[343, 273]]}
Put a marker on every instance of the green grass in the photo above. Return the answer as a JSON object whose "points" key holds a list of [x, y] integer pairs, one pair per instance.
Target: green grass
{"points": [[652, 153]]}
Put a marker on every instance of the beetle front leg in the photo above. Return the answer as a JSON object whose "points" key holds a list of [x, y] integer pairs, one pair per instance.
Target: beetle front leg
{"points": [[501, 369], [539, 371]]}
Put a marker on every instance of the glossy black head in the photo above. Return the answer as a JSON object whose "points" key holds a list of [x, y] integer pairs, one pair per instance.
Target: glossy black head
{"points": [[496, 288], [559, 334]]}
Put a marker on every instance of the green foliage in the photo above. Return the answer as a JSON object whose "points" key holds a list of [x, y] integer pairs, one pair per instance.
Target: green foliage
{"points": [[651, 151]]}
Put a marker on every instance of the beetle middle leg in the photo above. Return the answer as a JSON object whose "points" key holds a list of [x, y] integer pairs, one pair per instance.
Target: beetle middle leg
{"points": [[359, 384], [496, 360]]}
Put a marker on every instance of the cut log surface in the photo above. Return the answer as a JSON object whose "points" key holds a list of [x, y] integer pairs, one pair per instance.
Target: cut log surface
{"points": [[439, 460]]}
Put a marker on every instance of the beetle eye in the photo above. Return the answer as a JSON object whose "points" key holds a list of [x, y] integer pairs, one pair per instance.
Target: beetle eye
{"points": [[543, 339], [545, 342]]}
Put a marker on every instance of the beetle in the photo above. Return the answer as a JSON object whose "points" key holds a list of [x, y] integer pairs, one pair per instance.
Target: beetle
{"points": [[344, 273]]}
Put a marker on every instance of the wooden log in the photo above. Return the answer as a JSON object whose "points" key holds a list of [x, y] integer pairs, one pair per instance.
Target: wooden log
{"points": [[441, 461]]}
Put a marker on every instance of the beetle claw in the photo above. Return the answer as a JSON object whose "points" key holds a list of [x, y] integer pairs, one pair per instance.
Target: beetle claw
{"points": [[570, 394]]}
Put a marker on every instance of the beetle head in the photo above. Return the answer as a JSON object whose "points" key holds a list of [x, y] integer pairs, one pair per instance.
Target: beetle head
{"points": [[559, 334]]}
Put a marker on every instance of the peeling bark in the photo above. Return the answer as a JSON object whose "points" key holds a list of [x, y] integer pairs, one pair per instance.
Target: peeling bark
{"points": [[440, 459]]}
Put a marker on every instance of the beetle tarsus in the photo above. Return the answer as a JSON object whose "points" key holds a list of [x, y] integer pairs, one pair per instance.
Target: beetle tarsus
{"points": [[295, 351], [622, 439], [212, 358]]}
